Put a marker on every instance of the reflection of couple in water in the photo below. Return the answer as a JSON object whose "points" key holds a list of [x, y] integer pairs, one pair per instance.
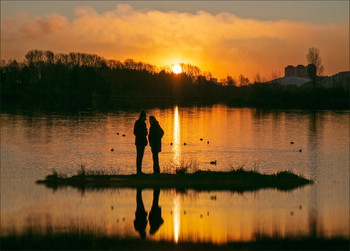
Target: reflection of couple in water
{"points": [[155, 216], [154, 137]]}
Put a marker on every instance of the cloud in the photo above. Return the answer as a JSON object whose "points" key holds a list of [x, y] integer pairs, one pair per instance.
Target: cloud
{"points": [[222, 43], [23, 27]]}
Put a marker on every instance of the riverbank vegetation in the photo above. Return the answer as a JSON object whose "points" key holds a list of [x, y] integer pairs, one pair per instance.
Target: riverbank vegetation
{"points": [[78, 80], [238, 180]]}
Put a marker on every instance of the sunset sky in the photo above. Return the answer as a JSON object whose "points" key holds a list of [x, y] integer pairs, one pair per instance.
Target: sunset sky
{"points": [[222, 37]]}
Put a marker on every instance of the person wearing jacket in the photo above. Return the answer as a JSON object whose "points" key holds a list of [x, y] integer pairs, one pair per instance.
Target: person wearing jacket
{"points": [[140, 132], [155, 140]]}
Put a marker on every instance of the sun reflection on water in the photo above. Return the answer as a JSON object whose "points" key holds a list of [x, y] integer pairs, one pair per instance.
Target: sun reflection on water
{"points": [[176, 218], [176, 138]]}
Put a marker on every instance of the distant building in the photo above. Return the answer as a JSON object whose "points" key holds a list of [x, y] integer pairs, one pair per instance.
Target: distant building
{"points": [[340, 79], [300, 75], [298, 71], [289, 71]]}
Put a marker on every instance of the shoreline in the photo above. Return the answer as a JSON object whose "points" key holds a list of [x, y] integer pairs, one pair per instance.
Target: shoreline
{"points": [[235, 180]]}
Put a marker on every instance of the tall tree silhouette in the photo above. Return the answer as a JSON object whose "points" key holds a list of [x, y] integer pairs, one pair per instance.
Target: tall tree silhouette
{"points": [[313, 57]]}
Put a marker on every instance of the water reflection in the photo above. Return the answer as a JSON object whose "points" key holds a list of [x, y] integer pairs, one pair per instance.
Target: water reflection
{"points": [[176, 139], [31, 145], [140, 221], [176, 219], [155, 216], [314, 136], [215, 217]]}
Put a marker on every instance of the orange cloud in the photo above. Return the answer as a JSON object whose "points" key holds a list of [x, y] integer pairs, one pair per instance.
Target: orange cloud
{"points": [[222, 44]]}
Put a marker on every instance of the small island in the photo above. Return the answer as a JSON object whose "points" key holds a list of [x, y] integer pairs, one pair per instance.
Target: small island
{"points": [[235, 180]]}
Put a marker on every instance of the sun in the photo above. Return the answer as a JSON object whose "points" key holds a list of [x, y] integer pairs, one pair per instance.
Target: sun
{"points": [[177, 69]]}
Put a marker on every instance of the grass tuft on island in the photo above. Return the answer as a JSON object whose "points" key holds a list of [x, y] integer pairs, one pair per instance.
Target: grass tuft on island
{"points": [[238, 180]]}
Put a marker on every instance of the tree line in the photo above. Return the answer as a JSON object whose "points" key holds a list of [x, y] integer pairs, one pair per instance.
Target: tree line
{"points": [[89, 81]]}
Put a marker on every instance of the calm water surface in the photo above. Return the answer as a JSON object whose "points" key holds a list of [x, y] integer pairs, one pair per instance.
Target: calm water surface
{"points": [[32, 144]]}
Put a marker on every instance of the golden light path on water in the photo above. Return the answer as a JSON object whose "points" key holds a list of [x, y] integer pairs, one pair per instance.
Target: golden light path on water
{"points": [[176, 138], [176, 159], [176, 219]]}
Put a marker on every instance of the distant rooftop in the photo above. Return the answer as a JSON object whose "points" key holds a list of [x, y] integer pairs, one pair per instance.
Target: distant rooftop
{"points": [[298, 81]]}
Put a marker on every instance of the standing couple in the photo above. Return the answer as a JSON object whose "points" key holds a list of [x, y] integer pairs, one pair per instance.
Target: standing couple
{"points": [[154, 137]]}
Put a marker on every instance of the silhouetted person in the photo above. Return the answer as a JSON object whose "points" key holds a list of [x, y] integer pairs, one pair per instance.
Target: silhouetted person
{"points": [[140, 221], [155, 140], [140, 132], [155, 216]]}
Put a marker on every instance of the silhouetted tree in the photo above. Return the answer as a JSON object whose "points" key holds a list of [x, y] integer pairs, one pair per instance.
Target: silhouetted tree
{"points": [[130, 64], [312, 72], [34, 57], [229, 81], [313, 57], [190, 70], [257, 78], [243, 80], [114, 64], [87, 80], [275, 75]]}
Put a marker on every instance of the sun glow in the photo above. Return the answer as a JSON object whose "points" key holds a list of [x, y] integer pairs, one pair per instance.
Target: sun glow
{"points": [[177, 69]]}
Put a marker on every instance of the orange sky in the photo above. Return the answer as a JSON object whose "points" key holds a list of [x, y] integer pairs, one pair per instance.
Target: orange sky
{"points": [[221, 43]]}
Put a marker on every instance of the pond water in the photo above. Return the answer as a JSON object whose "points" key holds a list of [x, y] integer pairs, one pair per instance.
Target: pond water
{"points": [[33, 144]]}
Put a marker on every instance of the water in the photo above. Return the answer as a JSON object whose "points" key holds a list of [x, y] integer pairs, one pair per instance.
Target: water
{"points": [[32, 144]]}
